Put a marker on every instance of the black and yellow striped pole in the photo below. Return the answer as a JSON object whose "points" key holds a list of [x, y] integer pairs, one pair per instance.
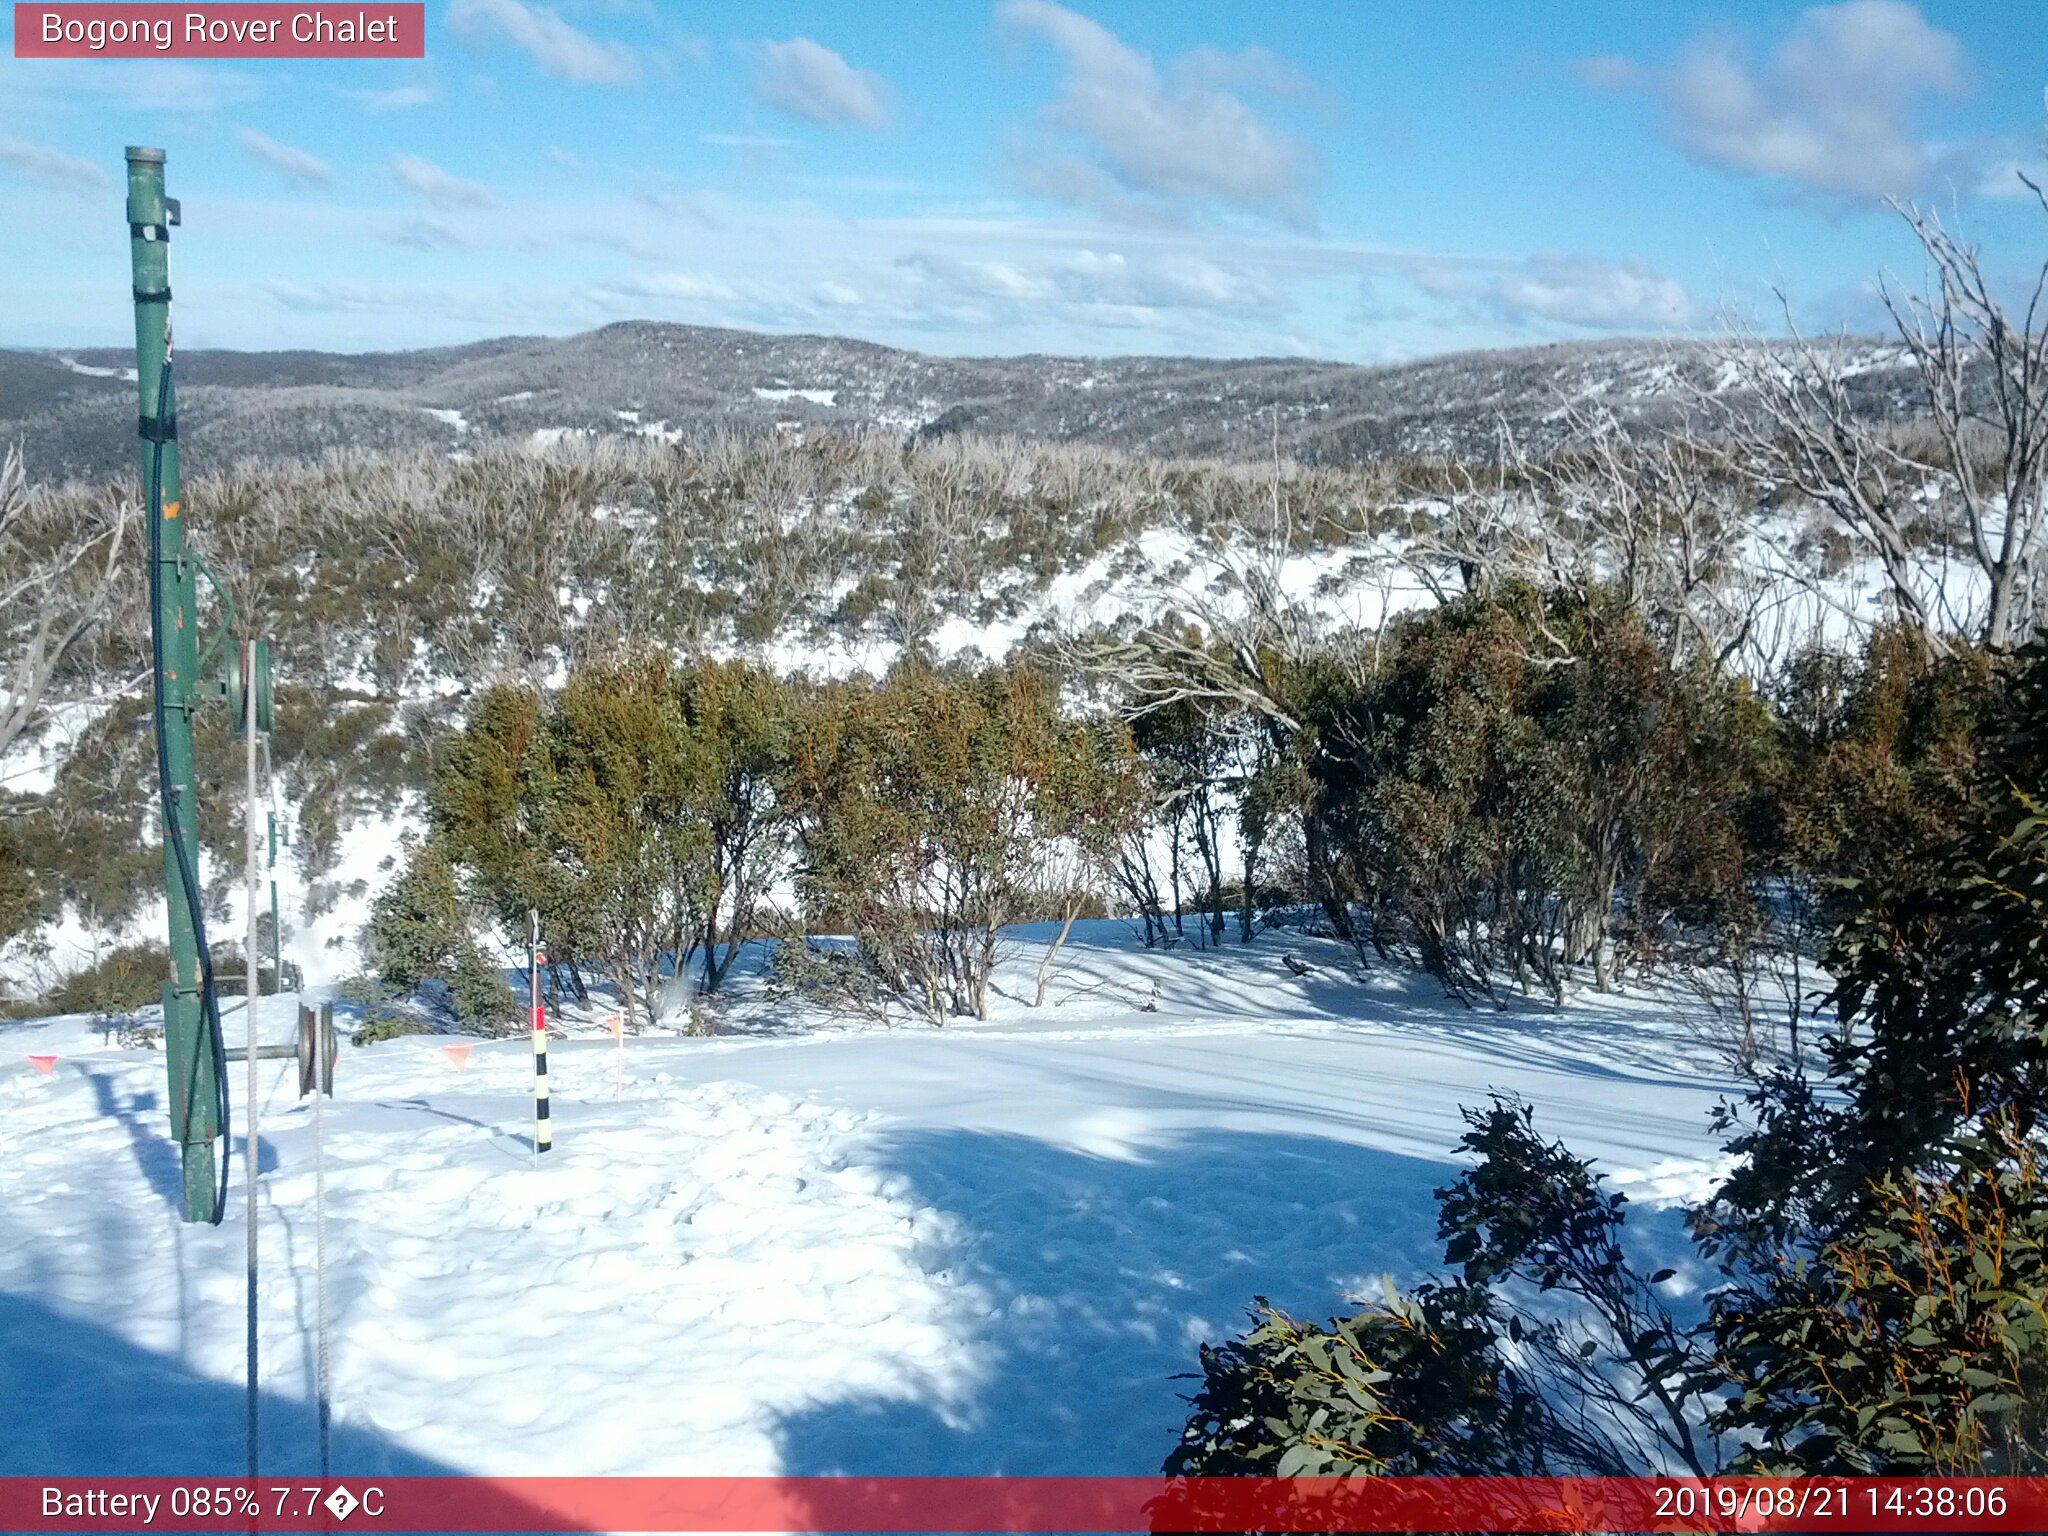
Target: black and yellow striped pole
{"points": [[543, 1132]]}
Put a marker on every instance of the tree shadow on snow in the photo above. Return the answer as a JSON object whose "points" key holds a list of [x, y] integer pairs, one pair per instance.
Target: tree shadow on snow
{"points": [[86, 1402], [1086, 1284]]}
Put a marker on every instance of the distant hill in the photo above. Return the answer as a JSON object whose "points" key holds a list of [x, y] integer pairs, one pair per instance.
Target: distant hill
{"points": [[75, 411]]}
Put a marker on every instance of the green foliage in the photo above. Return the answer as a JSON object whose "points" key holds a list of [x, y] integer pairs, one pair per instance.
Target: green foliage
{"points": [[482, 808], [478, 992], [1915, 1345], [1941, 985], [23, 903], [641, 814], [927, 808], [1458, 1378], [1881, 754], [416, 926], [90, 840], [1416, 1386], [419, 931], [1883, 1240], [120, 981], [380, 1014], [1518, 780]]}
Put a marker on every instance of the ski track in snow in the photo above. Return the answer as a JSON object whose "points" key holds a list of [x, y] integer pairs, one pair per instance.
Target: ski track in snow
{"points": [[977, 1250]]}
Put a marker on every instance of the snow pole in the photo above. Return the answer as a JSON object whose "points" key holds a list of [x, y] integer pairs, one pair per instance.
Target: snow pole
{"points": [[543, 1131]]}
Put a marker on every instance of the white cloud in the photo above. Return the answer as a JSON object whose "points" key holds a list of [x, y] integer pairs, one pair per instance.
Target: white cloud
{"points": [[156, 86], [295, 165], [422, 234], [1832, 109], [1144, 138], [686, 287], [2008, 178], [391, 99], [437, 186], [670, 198], [52, 167], [351, 297], [557, 47], [809, 80], [1564, 288], [1086, 286]]}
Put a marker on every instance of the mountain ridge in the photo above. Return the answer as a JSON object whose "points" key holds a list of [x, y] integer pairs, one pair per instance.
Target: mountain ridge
{"points": [[73, 410]]}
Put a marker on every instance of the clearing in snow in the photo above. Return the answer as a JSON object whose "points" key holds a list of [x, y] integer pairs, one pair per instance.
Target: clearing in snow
{"points": [[983, 1249]]}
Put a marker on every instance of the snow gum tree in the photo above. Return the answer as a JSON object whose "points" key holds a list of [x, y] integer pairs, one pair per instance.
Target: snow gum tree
{"points": [[926, 807], [1510, 769], [1882, 1242], [640, 813]]}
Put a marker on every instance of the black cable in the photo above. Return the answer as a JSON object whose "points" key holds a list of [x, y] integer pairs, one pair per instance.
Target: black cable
{"points": [[209, 998]]}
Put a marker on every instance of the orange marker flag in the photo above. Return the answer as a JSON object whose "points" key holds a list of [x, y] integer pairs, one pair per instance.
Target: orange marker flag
{"points": [[44, 1064], [458, 1055]]}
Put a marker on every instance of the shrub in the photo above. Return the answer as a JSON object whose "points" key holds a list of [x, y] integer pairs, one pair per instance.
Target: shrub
{"points": [[416, 927], [641, 814], [1520, 776], [380, 1014], [1883, 1240], [1456, 1379], [1917, 1344], [926, 808], [1414, 1387], [121, 981], [480, 995]]}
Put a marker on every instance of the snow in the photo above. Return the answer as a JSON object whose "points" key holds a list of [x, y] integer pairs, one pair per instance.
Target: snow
{"points": [[92, 372], [815, 396], [32, 761], [454, 419], [813, 1246]]}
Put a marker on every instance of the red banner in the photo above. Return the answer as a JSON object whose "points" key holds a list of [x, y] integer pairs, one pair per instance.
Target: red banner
{"points": [[217, 31], [920, 1504]]}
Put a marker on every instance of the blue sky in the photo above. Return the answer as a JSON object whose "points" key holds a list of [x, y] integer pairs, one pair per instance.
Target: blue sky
{"points": [[1356, 179]]}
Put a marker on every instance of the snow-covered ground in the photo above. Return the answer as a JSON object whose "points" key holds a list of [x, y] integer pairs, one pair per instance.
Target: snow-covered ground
{"points": [[807, 1248]]}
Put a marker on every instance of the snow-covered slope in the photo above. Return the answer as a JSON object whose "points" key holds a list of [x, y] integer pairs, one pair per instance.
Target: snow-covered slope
{"points": [[809, 1249]]}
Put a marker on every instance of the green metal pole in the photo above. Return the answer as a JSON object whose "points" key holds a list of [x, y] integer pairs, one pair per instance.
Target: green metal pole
{"points": [[195, 1105]]}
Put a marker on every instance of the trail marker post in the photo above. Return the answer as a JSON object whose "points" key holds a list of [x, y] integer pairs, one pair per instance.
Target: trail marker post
{"points": [[543, 1131]]}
